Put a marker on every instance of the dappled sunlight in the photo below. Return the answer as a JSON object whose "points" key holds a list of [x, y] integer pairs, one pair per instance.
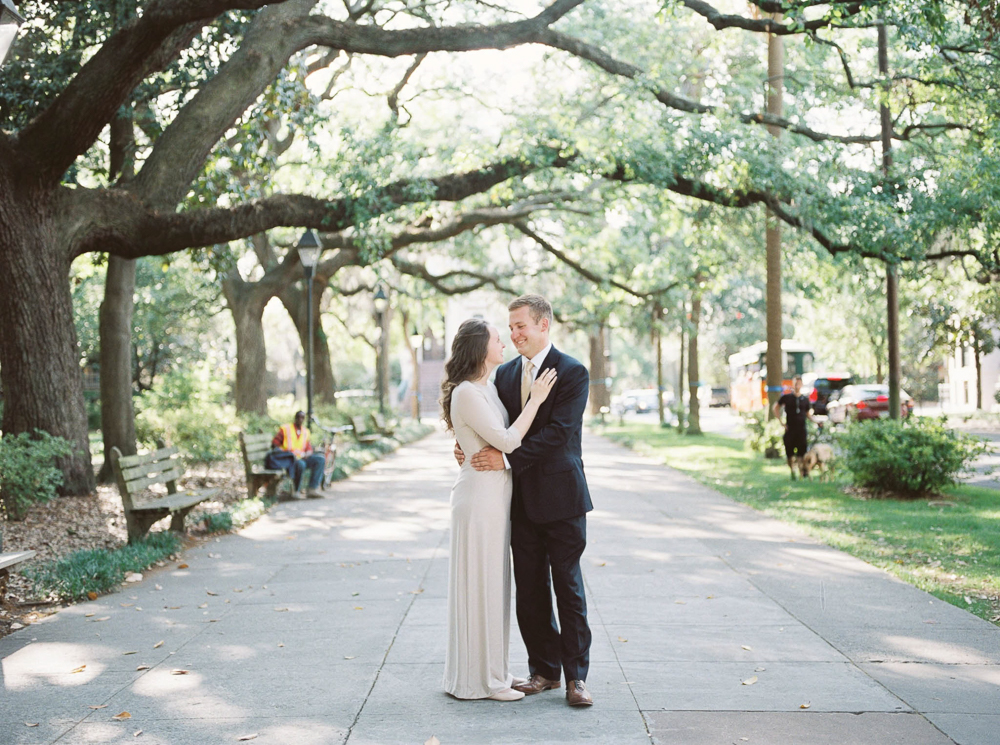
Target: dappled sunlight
{"points": [[54, 663], [179, 694], [922, 648]]}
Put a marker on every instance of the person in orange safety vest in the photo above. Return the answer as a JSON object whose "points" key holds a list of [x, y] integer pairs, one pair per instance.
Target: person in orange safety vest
{"points": [[294, 438]]}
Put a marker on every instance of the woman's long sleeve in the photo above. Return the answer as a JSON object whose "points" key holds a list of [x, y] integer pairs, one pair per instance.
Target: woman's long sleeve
{"points": [[471, 407]]}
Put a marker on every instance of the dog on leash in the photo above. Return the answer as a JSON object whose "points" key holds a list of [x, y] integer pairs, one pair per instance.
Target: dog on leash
{"points": [[818, 457]]}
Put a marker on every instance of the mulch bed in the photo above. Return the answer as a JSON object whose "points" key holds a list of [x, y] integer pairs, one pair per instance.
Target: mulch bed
{"points": [[69, 524]]}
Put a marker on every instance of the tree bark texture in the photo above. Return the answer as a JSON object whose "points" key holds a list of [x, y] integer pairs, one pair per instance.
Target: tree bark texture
{"points": [[775, 358], [247, 307], [117, 412], [39, 366], [296, 303], [680, 371], [694, 381], [891, 272], [600, 396]]}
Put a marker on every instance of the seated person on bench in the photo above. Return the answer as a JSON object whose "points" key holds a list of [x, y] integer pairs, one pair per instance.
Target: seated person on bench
{"points": [[294, 439]]}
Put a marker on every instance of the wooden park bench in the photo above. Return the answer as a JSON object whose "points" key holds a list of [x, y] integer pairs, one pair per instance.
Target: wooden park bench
{"points": [[254, 448], [360, 434], [136, 473], [381, 425], [6, 562]]}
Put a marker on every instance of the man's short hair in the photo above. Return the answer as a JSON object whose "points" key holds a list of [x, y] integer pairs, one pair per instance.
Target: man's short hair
{"points": [[538, 307], [299, 414]]}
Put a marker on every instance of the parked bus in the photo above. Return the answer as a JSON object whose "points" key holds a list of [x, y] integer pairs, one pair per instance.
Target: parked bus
{"points": [[748, 372]]}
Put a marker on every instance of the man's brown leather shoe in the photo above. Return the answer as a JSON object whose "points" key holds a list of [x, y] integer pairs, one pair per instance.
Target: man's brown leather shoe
{"points": [[536, 684], [577, 694]]}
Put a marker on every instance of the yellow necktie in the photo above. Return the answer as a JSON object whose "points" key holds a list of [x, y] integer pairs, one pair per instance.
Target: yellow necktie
{"points": [[526, 381]]}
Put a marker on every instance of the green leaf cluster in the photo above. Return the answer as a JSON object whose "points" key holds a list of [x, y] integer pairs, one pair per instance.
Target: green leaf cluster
{"points": [[28, 474], [909, 458]]}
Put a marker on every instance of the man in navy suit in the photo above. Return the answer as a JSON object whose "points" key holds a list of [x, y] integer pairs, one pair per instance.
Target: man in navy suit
{"points": [[550, 504]]}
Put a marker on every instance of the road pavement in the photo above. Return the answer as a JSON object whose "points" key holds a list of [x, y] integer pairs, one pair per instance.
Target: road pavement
{"points": [[324, 622]]}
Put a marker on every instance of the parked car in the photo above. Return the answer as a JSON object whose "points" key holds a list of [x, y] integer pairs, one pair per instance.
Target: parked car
{"points": [[819, 386], [640, 401], [859, 402], [720, 397]]}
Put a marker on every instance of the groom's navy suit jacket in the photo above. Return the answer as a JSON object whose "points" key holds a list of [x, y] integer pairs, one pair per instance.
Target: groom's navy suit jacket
{"points": [[549, 483]]}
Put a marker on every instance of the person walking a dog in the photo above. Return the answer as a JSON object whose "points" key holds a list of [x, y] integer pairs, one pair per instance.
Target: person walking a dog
{"points": [[797, 409]]}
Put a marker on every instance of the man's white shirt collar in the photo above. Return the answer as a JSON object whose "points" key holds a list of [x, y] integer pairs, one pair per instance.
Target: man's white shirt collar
{"points": [[537, 360]]}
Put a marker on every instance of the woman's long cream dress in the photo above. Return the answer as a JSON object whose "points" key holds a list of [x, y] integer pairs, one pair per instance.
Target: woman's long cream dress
{"points": [[476, 663]]}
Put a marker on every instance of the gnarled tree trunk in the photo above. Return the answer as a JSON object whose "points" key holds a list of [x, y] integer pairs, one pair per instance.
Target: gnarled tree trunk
{"points": [[247, 307], [296, 303], [39, 362], [117, 412]]}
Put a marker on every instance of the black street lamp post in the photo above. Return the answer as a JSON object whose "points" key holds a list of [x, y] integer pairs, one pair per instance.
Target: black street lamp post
{"points": [[309, 249]]}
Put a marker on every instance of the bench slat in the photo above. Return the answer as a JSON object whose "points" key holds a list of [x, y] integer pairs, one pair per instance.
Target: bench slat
{"points": [[174, 502], [260, 437], [150, 469], [127, 461], [137, 485], [9, 560]]}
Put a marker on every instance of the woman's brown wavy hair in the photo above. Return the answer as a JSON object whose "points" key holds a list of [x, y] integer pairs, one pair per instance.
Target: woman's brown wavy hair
{"points": [[467, 361]]}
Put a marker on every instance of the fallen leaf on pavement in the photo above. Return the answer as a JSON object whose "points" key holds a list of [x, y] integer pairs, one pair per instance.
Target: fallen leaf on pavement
{"points": [[102, 618], [158, 587], [681, 602], [281, 610], [622, 639], [805, 705], [129, 652], [203, 605], [748, 649], [99, 706], [78, 670], [31, 724], [91, 595], [750, 681], [281, 644], [134, 577], [349, 657], [121, 717], [215, 556], [759, 669], [247, 737], [211, 593], [182, 566], [359, 607], [89, 615], [137, 733], [142, 667], [179, 671], [158, 644]]}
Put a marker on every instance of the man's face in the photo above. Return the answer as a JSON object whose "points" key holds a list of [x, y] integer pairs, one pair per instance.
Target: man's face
{"points": [[528, 336], [797, 386], [299, 419]]}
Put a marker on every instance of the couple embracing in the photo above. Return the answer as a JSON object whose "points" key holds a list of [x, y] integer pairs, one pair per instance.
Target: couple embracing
{"points": [[521, 490]]}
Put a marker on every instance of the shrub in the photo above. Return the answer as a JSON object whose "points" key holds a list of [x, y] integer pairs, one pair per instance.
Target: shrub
{"points": [[187, 410], [28, 474], [911, 458], [763, 436], [100, 570]]}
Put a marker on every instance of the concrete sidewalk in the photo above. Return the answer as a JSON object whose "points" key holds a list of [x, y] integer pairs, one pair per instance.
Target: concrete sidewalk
{"points": [[324, 622]]}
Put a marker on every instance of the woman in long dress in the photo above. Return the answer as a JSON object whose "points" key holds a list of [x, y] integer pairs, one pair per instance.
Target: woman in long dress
{"points": [[476, 664]]}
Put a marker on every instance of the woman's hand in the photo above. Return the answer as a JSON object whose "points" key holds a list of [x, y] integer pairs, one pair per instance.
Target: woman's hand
{"points": [[543, 384]]}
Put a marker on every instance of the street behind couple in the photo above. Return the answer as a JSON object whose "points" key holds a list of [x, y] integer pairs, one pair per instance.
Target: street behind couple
{"points": [[522, 491]]}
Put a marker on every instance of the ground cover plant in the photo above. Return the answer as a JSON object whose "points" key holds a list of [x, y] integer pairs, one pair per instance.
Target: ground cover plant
{"points": [[86, 574], [948, 545]]}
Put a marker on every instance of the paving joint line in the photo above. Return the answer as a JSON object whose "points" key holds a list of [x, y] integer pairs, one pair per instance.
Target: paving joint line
{"points": [[378, 672]]}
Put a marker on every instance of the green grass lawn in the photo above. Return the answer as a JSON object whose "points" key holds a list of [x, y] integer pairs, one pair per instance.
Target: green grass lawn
{"points": [[948, 546]]}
